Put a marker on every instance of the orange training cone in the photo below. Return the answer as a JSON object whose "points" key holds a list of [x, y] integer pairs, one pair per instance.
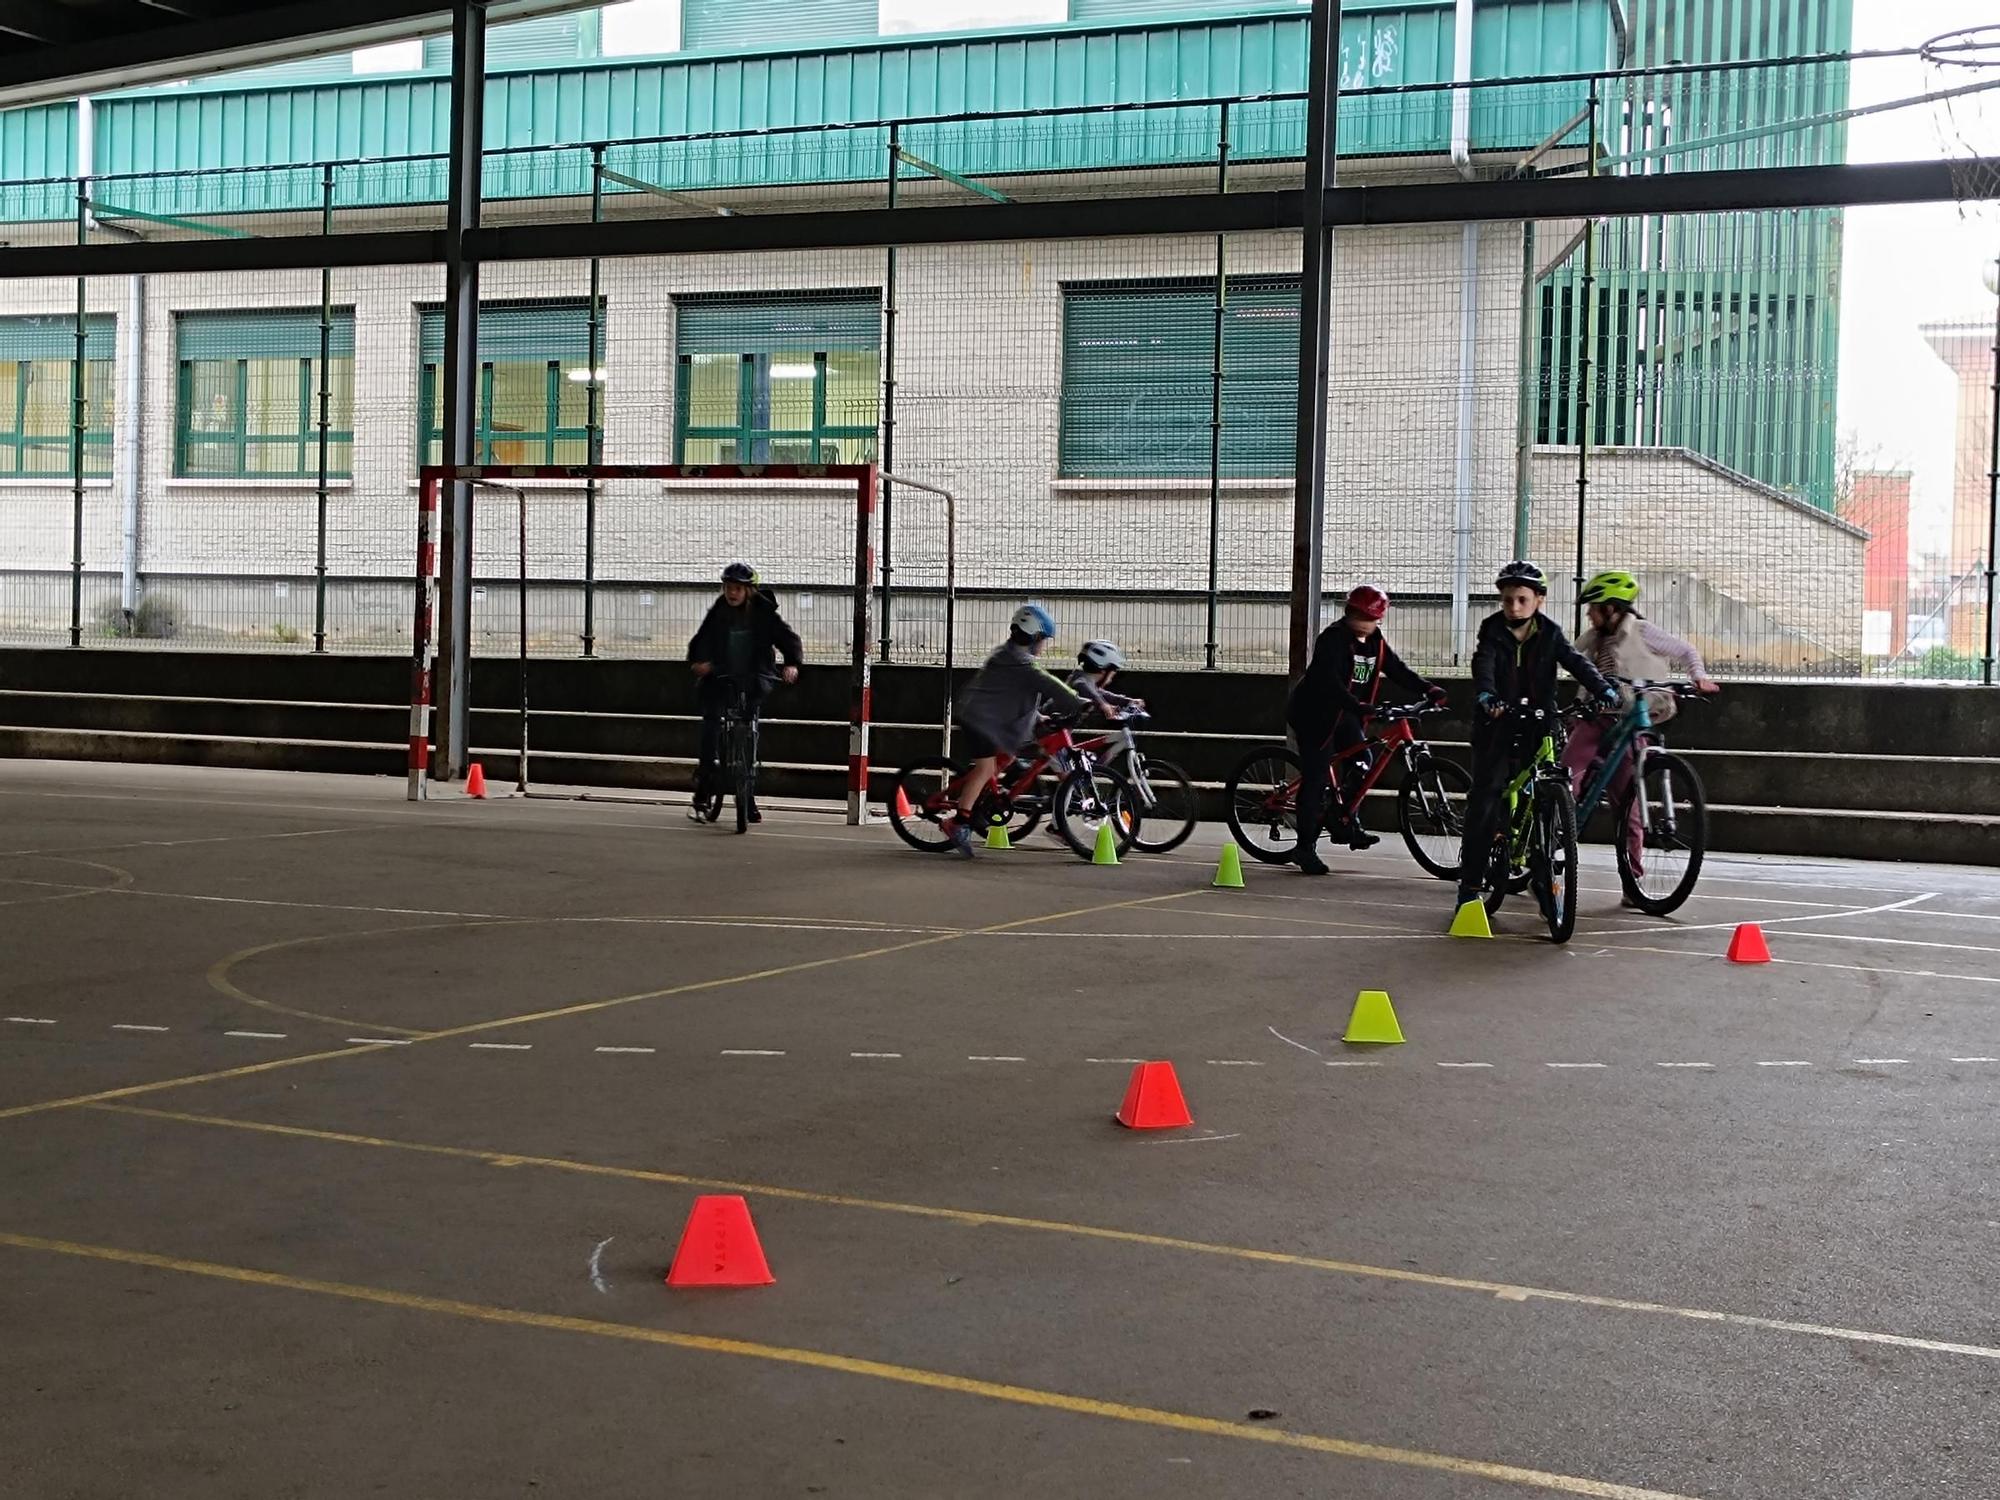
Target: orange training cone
{"points": [[719, 1246], [903, 806], [1748, 946], [1153, 1099], [475, 781]]}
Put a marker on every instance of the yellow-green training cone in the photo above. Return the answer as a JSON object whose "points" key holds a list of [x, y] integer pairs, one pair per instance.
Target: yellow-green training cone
{"points": [[996, 837], [1106, 852], [1229, 873], [1374, 1019], [1471, 921]]}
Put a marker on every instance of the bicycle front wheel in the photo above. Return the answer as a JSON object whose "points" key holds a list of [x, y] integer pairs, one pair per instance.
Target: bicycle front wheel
{"points": [[1430, 810], [1167, 802], [1660, 874], [921, 799], [1552, 862], [1095, 797], [1261, 799]]}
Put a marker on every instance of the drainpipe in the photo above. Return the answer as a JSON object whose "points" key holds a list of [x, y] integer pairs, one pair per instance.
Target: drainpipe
{"points": [[131, 358], [1468, 338]]}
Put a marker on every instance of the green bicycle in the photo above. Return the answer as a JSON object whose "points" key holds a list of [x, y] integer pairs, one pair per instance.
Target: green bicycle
{"points": [[1535, 848]]}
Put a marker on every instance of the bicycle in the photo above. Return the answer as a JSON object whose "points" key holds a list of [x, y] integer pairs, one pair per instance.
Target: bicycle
{"points": [[1263, 790], [1535, 847], [735, 768], [1164, 798], [1665, 799], [1087, 797]]}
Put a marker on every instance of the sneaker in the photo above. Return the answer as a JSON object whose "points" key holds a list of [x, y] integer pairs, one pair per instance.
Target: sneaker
{"points": [[756, 814], [1466, 895], [1310, 863], [960, 835], [1360, 838]]}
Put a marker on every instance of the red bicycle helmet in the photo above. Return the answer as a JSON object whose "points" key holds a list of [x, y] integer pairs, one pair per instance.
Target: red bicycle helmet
{"points": [[1368, 602]]}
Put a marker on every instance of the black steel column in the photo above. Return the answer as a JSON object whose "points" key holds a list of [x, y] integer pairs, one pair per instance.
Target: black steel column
{"points": [[593, 419], [889, 397], [1586, 372], [461, 387], [79, 422], [1315, 326], [1215, 395], [325, 408], [1993, 489]]}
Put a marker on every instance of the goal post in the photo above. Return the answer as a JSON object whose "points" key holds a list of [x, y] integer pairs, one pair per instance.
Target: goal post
{"points": [[857, 484]]}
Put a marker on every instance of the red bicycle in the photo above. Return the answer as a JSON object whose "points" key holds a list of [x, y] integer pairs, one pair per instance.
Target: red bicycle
{"points": [[1088, 796], [1263, 793]]}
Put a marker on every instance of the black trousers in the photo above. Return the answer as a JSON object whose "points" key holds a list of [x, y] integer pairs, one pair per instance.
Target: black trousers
{"points": [[714, 694], [1496, 759], [1318, 745]]}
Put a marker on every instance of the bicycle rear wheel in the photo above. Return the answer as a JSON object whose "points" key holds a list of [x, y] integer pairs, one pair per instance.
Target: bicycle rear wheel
{"points": [[744, 765], [1430, 811], [1167, 802], [925, 788], [1673, 841], [1091, 798], [1261, 802], [1552, 862]]}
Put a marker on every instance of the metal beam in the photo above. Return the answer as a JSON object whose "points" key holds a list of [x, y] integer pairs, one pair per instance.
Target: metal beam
{"points": [[640, 185], [1315, 329], [109, 212], [945, 174]]}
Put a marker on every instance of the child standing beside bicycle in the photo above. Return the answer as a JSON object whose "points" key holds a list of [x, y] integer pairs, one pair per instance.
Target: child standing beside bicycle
{"points": [[1621, 642], [1514, 664], [1326, 709]]}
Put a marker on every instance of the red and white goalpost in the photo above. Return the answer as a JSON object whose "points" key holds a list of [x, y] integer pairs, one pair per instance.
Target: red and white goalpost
{"points": [[432, 478]]}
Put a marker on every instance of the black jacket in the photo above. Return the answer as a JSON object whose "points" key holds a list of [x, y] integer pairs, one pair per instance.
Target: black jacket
{"points": [[1509, 670], [1345, 677], [770, 635]]}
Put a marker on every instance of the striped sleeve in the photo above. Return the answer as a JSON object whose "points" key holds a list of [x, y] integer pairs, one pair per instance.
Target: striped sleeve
{"points": [[1673, 648]]}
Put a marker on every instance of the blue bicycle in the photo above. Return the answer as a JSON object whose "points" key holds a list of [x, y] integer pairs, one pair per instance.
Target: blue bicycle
{"points": [[1660, 817]]}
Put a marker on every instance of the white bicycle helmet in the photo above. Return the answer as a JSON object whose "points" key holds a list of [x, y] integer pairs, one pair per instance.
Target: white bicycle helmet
{"points": [[1101, 656], [1034, 621]]}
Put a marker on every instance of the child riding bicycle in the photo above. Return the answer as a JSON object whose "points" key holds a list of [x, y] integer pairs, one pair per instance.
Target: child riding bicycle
{"points": [[1515, 661], [733, 652], [1621, 642], [1326, 710]]}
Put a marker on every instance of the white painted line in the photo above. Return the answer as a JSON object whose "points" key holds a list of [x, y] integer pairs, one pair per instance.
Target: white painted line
{"points": [[1464, 1065], [32, 1020], [1880, 1062], [597, 1265], [1791, 1063], [1193, 1140], [749, 1052], [501, 1046], [126, 1026], [1976, 1059], [262, 1036], [1342, 1062], [996, 1059], [1289, 1042], [1115, 1059], [1683, 1065], [1576, 1065], [883, 1055], [625, 1049], [379, 1041], [1233, 1062]]}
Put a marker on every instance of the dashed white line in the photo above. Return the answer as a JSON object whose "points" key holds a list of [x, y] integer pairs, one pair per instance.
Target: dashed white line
{"points": [[501, 1046], [262, 1036], [379, 1041], [1233, 1062], [1880, 1062], [882, 1055], [1575, 1065], [1464, 1065], [997, 1059], [1352, 1062], [625, 1049], [1709, 1066], [128, 1026], [1976, 1059], [1786, 1063], [1114, 1059], [749, 1052], [32, 1020]]}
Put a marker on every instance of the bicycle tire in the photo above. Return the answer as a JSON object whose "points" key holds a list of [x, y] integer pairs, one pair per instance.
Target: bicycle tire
{"points": [[1670, 781], [1493, 891], [1168, 805], [1091, 797], [1263, 823], [1553, 861], [746, 774], [924, 785], [1424, 809]]}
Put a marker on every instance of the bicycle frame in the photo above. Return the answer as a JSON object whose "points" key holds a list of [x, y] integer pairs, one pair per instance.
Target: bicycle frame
{"points": [[1519, 823], [1630, 737], [1400, 744]]}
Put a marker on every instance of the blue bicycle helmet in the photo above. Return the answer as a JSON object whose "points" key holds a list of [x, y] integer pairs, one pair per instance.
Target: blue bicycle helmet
{"points": [[1034, 621]]}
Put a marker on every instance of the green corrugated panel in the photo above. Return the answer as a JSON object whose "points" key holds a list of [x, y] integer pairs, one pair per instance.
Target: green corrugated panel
{"points": [[1137, 386], [282, 75], [816, 322], [541, 42], [1152, 10], [289, 334], [525, 331], [53, 336], [37, 143], [713, 25]]}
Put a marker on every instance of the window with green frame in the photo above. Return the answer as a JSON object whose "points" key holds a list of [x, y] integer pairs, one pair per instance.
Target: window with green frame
{"points": [[1138, 378], [778, 378], [37, 414], [534, 383], [248, 394]]}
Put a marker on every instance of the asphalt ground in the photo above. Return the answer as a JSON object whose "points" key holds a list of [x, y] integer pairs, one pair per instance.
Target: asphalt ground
{"points": [[347, 1142]]}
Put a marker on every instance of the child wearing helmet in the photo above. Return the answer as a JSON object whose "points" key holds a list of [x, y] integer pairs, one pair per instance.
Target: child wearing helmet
{"points": [[1516, 659], [1098, 662], [996, 712], [740, 638], [1327, 706], [1621, 642]]}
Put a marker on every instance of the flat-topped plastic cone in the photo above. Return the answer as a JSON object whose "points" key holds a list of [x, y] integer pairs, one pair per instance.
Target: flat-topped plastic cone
{"points": [[1106, 851], [1229, 873], [903, 810], [1470, 922], [1153, 1099], [475, 781], [996, 837], [1748, 945], [719, 1246], [1373, 1020]]}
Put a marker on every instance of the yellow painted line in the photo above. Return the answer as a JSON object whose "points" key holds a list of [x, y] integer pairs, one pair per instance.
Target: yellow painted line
{"points": [[842, 1364], [134, 1090], [978, 1219]]}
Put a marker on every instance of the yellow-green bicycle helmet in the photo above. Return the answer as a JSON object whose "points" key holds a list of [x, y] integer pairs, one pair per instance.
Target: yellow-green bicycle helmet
{"points": [[1611, 588]]}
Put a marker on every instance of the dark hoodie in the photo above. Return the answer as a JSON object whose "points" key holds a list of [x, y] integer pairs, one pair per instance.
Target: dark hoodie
{"points": [[1345, 677], [739, 642], [1507, 669]]}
